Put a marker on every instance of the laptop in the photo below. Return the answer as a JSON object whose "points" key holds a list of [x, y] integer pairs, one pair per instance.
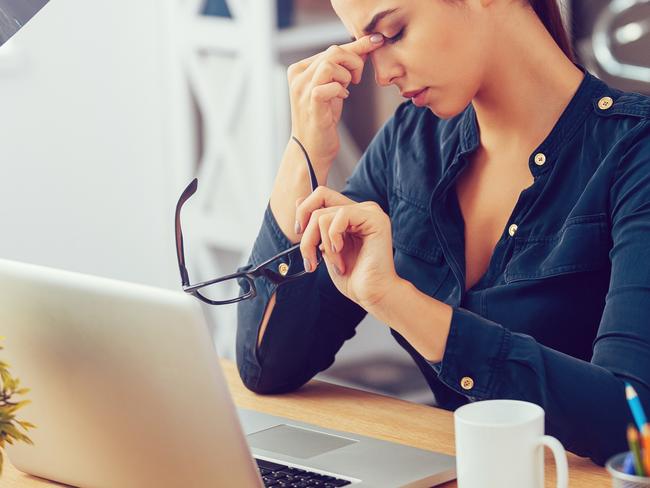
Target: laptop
{"points": [[127, 391]]}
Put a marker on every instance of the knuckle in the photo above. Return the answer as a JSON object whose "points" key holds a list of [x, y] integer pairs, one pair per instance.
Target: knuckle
{"points": [[371, 204], [324, 70], [333, 49], [343, 211], [313, 218], [327, 65], [317, 93]]}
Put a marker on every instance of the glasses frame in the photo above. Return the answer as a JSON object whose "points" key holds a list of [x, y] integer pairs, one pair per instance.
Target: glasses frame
{"points": [[250, 275]]}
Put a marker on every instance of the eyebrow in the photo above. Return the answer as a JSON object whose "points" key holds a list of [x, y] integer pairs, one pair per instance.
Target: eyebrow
{"points": [[375, 20]]}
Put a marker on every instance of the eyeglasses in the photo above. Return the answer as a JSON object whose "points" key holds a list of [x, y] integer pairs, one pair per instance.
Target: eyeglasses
{"points": [[281, 268]]}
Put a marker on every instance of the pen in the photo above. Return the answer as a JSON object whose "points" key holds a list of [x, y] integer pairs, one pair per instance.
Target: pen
{"points": [[635, 448], [635, 406]]}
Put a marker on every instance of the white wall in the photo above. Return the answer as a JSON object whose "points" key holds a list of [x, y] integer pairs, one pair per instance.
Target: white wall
{"points": [[84, 143]]}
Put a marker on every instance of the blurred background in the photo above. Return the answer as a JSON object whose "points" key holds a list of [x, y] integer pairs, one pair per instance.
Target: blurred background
{"points": [[109, 109]]}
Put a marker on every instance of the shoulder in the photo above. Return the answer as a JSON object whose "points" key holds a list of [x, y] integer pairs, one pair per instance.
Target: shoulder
{"points": [[616, 132], [622, 105], [618, 116]]}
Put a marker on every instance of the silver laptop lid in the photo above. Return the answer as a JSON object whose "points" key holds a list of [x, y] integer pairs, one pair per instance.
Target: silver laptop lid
{"points": [[125, 386]]}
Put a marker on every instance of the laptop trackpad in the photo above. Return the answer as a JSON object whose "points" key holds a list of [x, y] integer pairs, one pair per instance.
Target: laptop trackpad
{"points": [[296, 442]]}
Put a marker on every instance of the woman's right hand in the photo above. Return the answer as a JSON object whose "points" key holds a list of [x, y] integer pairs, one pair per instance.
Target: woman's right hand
{"points": [[318, 86]]}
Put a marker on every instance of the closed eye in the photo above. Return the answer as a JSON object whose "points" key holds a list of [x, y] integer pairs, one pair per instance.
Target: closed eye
{"points": [[396, 37]]}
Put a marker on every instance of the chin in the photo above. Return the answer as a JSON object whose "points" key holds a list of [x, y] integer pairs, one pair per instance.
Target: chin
{"points": [[446, 111], [443, 114]]}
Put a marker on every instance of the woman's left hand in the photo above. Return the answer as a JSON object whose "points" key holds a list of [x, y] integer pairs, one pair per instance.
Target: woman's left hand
{"points": [[356, 244]]}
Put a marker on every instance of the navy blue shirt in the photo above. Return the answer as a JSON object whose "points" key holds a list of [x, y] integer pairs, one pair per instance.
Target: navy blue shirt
{"points": [[561, 317]]}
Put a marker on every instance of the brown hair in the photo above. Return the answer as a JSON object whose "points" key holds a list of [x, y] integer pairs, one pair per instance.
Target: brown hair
{"points": [[548, 12]]}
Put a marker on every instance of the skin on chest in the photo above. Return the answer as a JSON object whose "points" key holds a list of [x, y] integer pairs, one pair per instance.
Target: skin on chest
{"points": [[487, 193]]}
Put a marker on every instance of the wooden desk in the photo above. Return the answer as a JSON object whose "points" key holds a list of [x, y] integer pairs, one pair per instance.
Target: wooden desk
{"points": [[351, 410]]}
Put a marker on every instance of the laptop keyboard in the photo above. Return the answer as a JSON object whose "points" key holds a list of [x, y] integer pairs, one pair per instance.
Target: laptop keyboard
{"points": [[279, 475]]}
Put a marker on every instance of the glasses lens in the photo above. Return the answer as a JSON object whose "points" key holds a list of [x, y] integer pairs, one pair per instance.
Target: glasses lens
{"points": [[226, 290]]}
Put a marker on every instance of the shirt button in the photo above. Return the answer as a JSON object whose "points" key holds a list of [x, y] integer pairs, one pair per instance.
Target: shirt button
{"points": [[540, 159], [283, 269], [512, 229], [467, 383], [605, 103]]}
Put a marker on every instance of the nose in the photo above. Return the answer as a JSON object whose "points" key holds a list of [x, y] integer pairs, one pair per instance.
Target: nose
{"points": [[386, 68]]}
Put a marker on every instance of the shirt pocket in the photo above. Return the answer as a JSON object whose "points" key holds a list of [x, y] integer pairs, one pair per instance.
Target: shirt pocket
{"points": [[582, 244], [417, 254]]}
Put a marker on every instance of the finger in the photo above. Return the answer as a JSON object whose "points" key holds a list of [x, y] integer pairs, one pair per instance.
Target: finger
{"points": [[337, 229], [324, 220], [353, 219], [319, 198], [331, 254], [328, 71], [343, 57], [330, 91], [311, 239], [302, 65], [365, 44]]}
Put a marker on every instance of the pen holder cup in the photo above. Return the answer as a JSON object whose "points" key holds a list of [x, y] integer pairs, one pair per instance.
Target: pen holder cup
{"points": [[621, 479]]}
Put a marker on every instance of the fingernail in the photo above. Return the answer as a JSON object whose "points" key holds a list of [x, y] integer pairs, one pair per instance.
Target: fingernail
{"points": [[298, 227], [334, 248], [305, 262], [376, 38], [336, 269]]}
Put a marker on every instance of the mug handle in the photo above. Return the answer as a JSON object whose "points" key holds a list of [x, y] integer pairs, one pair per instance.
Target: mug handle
{"points": [[561, 465]]}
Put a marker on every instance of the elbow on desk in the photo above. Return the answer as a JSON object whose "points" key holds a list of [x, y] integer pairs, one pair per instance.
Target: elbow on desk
{"points": [[267, 383]]}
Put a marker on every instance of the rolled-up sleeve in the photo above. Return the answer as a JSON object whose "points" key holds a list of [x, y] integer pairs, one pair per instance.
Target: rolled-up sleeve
{"points": [[584, 400]]}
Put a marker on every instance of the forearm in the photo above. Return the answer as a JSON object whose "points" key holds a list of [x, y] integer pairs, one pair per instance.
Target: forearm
{"points": [[306, 322], [422, 320], [293, 182]]}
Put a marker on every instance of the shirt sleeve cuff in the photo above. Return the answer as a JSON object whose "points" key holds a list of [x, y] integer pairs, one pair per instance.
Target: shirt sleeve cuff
{"points": [[475, 351], [270, 241]]}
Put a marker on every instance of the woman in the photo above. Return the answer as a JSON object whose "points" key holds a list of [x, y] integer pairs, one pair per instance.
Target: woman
{"points": [[498, 222]]}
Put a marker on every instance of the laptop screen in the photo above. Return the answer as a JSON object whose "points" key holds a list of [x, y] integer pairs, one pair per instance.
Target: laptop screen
{"points": [[14, 14]]}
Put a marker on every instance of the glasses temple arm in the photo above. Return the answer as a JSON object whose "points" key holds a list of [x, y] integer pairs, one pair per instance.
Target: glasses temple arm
{"points": [[312, 174]]}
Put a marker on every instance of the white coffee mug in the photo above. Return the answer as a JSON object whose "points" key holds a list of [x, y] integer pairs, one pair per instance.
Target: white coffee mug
{"points": [[500, 443]]}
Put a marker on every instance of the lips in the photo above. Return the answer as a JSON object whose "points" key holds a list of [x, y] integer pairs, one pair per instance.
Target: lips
{"points": [[412, 94]]}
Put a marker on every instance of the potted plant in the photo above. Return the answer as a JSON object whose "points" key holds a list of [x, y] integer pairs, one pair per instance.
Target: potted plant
{"points": [[10, 427]]}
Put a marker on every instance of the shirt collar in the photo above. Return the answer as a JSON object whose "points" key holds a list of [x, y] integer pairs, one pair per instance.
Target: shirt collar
{"points": [[573, 116]]}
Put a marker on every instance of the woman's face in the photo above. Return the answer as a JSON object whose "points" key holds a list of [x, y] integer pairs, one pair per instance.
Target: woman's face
{"points": [[439, 45]]}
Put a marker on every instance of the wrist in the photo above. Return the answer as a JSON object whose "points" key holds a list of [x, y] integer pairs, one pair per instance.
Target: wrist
{"points": [[385, 306], [321, 165], [422, 320]]}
